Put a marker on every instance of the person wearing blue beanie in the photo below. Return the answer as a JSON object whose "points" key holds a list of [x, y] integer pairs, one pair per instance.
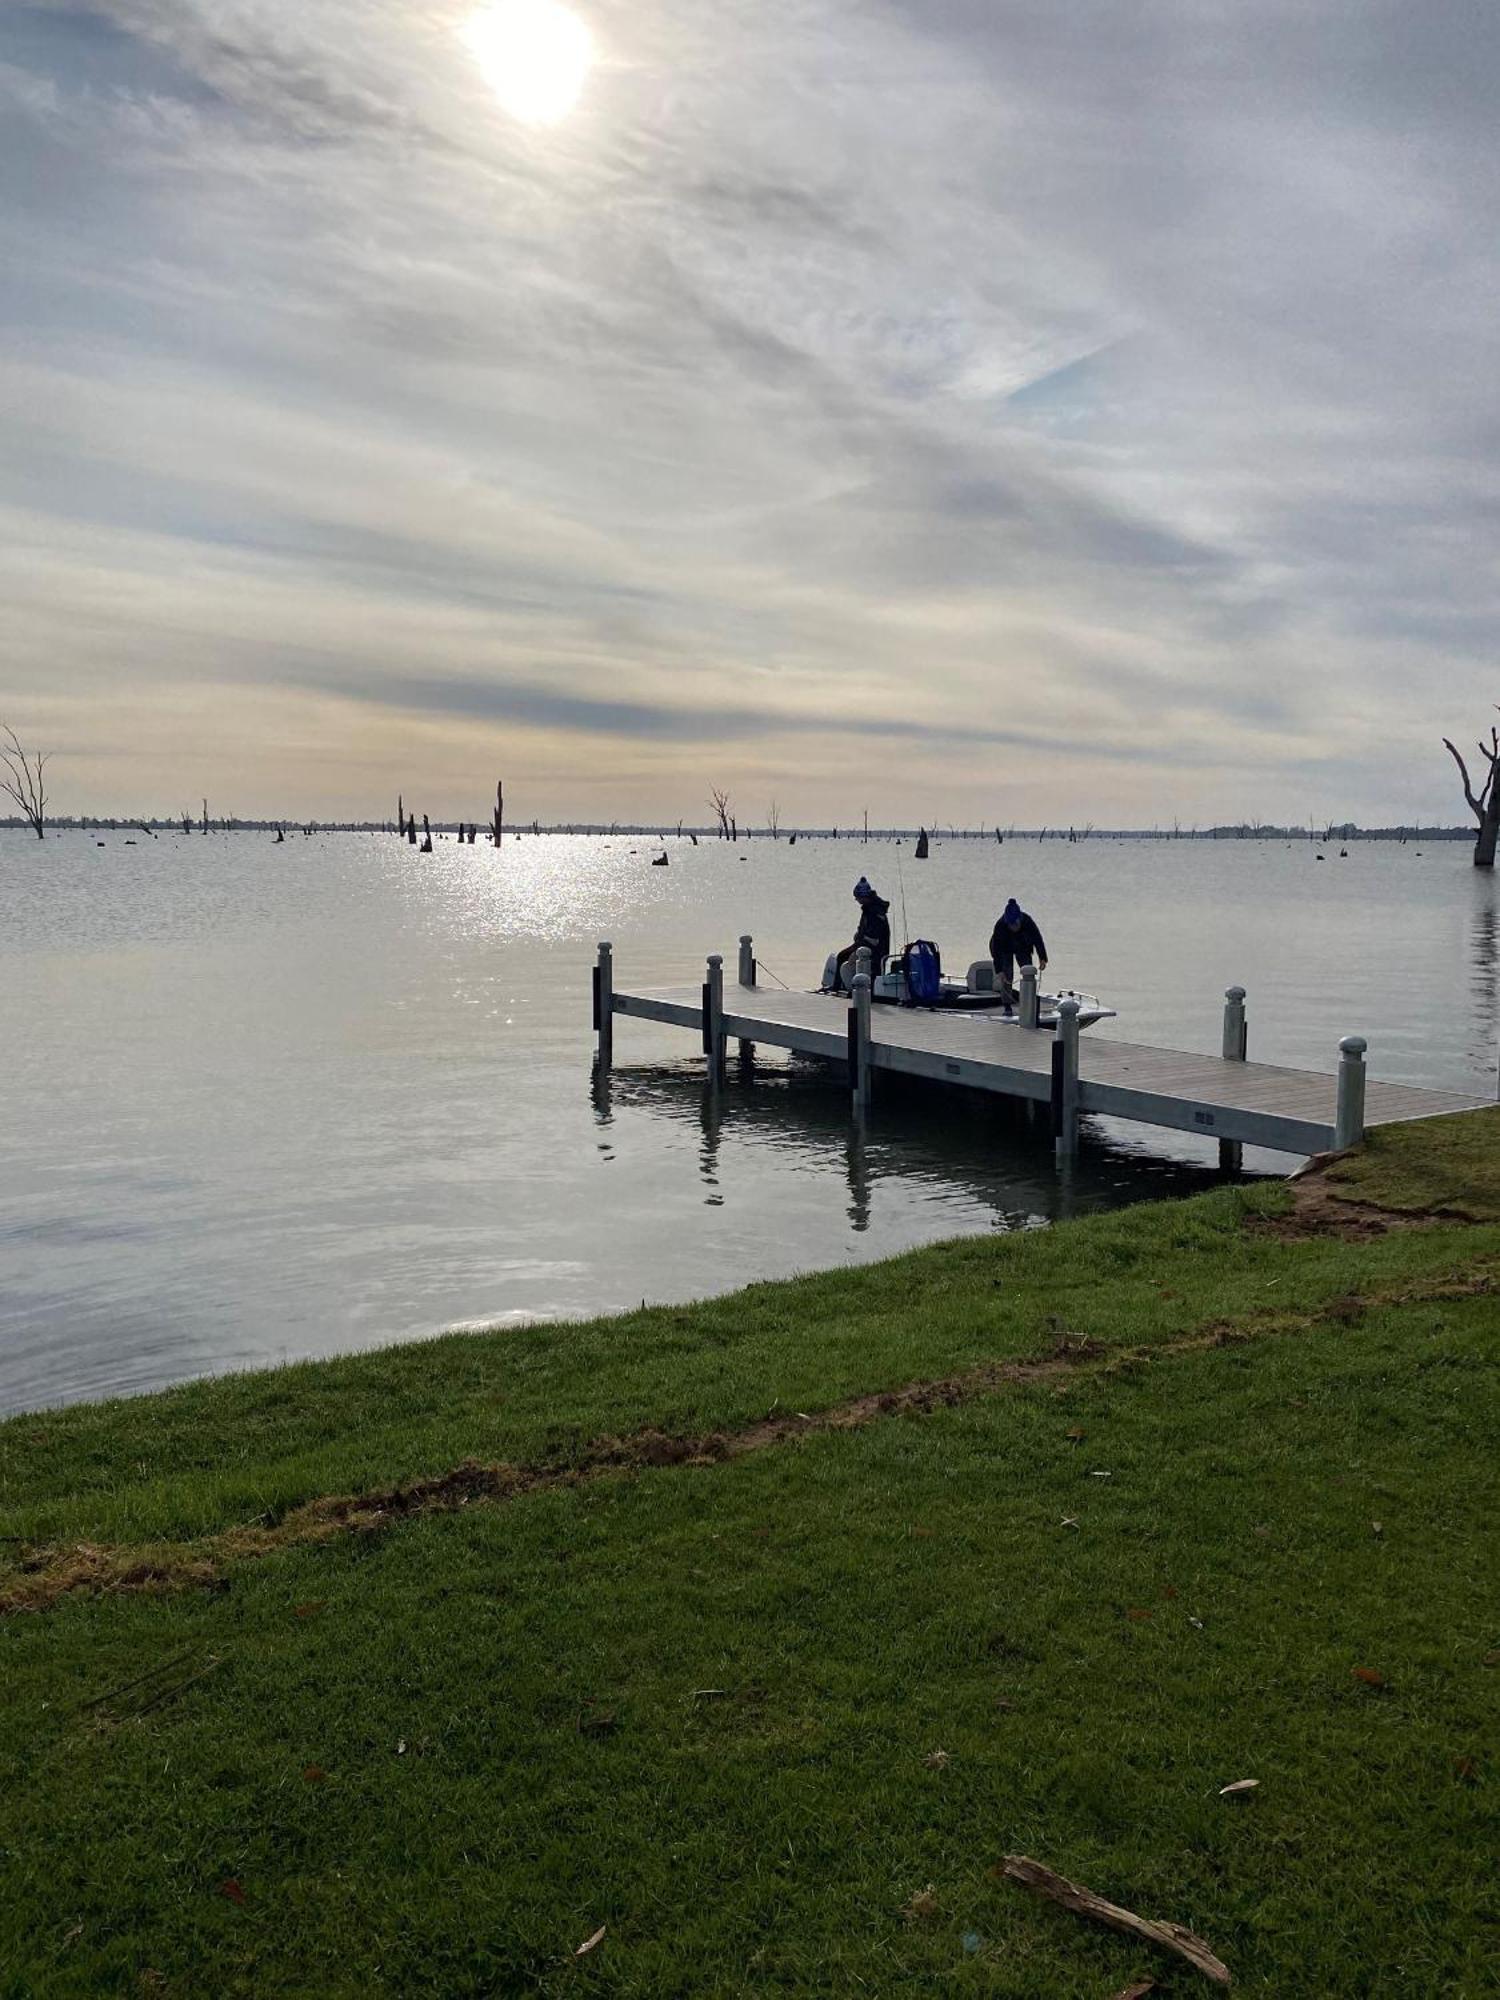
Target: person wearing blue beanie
{"points": [[873, 934], [1014, 939]]}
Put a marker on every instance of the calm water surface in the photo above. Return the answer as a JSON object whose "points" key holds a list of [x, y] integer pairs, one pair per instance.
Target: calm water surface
{"points": [[266, 1102]]}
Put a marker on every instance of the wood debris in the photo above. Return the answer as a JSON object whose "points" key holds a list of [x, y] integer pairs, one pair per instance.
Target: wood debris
{"points": [[1170, 1937]]}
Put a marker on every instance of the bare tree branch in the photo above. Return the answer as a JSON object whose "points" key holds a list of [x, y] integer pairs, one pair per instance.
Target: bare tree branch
{"points": [[23, 780], [1485, 803], [1474, 806]]}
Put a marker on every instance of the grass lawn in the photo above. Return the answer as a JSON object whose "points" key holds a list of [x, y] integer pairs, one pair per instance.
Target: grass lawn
{"points": [[771, 1717]]}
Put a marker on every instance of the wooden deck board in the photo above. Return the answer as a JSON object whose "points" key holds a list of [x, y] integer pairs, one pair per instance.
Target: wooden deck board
{"points": [[1267, 1104]]}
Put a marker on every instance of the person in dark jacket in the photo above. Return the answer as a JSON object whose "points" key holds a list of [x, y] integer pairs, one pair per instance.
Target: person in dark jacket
{"points": [[1015, 938], [874, 931]]}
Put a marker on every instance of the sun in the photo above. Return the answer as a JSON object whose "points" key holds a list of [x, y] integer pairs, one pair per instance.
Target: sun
{"points": [[535, 55]]}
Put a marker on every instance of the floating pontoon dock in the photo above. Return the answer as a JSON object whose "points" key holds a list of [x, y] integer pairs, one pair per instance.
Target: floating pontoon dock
{"points": [[1224, 1097]]}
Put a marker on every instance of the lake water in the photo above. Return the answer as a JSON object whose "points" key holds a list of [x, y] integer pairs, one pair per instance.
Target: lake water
{"points": [[263, 1102]]}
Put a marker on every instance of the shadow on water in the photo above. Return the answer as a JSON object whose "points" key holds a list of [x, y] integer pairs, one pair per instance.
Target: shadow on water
{"points": [[992, 1153]]}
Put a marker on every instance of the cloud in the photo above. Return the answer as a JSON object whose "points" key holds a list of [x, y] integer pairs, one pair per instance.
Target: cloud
{"points": [[1091, 394]]}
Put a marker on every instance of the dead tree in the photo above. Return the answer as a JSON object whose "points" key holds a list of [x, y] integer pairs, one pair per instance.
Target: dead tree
{"points": [[720, 803], [400, 815], [21, 779], [426, 847], [773, 819], [497, 824], [1485, 804], [205, 815]]}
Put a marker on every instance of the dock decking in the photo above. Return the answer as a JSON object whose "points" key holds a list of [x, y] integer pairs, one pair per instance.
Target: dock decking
{"points": [[1232, 1100]]}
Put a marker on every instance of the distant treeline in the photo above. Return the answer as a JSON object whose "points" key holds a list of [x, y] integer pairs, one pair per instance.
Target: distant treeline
{"points": [[659, 830]]}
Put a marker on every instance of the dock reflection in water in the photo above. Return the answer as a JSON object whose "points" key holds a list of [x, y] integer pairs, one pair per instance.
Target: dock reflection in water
{"points": [[1484, 959], [977, 1161]]}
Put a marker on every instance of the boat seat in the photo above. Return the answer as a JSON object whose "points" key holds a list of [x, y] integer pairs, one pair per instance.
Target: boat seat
{"points": [[981, 976]]}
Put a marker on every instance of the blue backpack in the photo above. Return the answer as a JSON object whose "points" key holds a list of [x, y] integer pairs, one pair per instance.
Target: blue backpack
{"points": [[924, 973]]}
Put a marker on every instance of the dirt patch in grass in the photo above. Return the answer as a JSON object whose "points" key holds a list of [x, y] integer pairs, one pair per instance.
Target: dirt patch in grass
{"points": [[45, 1575], [86, 1568], [1320, 1208]]}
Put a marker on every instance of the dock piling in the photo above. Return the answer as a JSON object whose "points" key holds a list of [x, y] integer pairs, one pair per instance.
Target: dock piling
{"points": [[1031, 1012], [859, 1038], [1236, 1029], [604, 1005], [1236, 1049], [1349, 1124], [1065, 1078], [747, 978], [713, 1017]]}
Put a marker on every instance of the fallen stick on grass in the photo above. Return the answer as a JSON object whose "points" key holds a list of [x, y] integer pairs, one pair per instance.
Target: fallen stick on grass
{"points": [[1171, 1937]]}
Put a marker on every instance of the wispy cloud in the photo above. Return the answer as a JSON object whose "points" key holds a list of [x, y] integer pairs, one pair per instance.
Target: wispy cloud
{"points": [[986, 396]]}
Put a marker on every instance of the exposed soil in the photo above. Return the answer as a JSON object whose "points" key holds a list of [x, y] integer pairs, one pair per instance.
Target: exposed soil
{"points": [[1317, 1211], [1319, 1208], [44, 1575]]}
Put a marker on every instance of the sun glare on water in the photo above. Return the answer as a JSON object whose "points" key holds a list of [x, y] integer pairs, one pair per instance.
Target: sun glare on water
{"points": [[534, 54]]}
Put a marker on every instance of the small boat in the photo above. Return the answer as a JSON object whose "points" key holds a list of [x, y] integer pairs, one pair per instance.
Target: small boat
{"points": [[662, 861], [976, 993]]}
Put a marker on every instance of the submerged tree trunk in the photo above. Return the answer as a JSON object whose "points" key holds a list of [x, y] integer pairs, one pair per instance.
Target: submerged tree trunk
{"points": [[1485, 804]]}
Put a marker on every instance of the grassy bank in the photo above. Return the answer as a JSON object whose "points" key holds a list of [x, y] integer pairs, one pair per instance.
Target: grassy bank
{"points": [[759, 1632]]}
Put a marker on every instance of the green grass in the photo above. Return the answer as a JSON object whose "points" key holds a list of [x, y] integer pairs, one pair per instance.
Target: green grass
{"points": [[856, 1602], [1453, 1164]]}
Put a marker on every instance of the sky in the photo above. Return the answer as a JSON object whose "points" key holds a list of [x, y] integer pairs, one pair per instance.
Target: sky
{"points": [[982, 411]]}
